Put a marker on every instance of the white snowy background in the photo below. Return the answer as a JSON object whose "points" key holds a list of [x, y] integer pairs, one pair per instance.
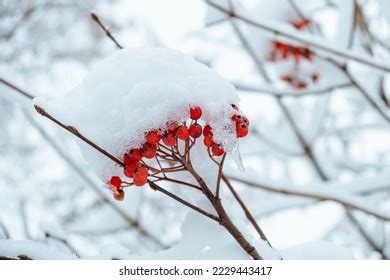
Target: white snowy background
{"points": [[53, 206]]}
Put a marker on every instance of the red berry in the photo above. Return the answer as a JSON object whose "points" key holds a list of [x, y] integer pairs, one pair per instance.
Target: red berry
{"points": [[129, 169], [217, 150], [195, 130], [172, 127], [169, 139], [182, 132], [149, 150], [242, 130], [119, 195], [133, 155], [153, 137], [140, 173], [195, 113], [237, 118], [140, 182], [208, 140], [207, 130], [115, 181]]}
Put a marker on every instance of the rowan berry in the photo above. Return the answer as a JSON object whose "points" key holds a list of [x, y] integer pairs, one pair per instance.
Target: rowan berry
{"points": [[115, 181], [195, 130], [153, 137], [217, 150], [242, 130], [182, 132], [195, 113], [149, 150]]}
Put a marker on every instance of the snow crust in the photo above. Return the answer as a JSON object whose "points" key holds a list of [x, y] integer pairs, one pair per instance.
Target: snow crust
{"points": [[137, 90]]}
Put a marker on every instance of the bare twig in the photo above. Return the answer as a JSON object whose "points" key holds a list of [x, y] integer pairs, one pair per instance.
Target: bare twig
{"points": [[63, 241], [319, 197], [96, 19]]}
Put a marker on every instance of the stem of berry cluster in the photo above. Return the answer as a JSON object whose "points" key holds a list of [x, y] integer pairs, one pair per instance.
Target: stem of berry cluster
{"points": [[183, 159]]}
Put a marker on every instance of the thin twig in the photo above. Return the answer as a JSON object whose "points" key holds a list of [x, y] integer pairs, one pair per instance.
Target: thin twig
{"points": [[96, 19], [63, 241], [319, 197]]}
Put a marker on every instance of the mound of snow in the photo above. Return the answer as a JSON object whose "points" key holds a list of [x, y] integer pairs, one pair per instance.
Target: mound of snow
{"points": [[137, 90], [34, 250]]}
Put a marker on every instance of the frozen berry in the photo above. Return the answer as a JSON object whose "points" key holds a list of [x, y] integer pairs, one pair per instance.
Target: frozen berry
{"points": [[115, 181], [149, 150], [195, 113], [217, 150], [195, 130], [182, 132], [242, 130], [129, 169], [208, 140], [207, 130], [119, 195], [172, 127], [169, 139], [153, 137]]}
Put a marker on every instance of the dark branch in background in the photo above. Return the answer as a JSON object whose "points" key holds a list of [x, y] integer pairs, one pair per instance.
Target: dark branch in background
{"points": [[319, 197], [4, 231], [96, 19], [133, 223], [371, 242], [64, 242]]}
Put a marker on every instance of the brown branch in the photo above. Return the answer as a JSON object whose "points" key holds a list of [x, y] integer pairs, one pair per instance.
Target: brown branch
{"points": [[246, 210], [156, 187], [96, 19], [220, 174], [76, 133], [133, 223], [63, 241], [319, 197], [371, 242]]}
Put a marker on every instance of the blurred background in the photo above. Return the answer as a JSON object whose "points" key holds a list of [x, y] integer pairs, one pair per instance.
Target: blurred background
{"points": [[315, 124]]}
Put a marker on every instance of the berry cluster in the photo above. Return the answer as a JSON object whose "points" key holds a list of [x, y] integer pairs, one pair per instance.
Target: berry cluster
{"points": [[158, 141], [283, 51]]}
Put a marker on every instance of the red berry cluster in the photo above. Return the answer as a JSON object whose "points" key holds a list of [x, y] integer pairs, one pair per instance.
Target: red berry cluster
{"points": [[283, 51], [136, 168]]}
